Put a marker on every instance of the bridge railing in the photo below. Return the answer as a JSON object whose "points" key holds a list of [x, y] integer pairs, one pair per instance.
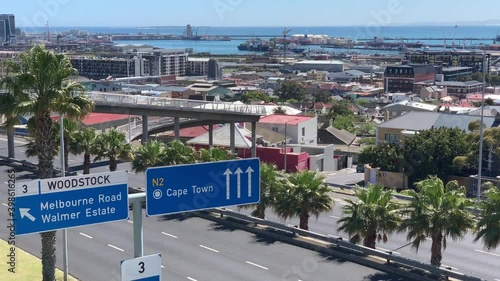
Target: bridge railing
{"points": [[175, 103]]}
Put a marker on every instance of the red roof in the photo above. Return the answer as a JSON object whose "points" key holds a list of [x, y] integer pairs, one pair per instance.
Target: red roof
{"points": [[192, 132], [98, 118], [282, 119]]}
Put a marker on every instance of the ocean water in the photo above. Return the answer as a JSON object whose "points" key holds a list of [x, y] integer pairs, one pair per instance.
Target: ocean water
{"points": [[488, 33]]}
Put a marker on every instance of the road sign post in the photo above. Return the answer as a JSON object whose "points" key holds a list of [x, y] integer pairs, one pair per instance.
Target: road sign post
{"points": [[57, 203], [185, 188], [147, 268]]}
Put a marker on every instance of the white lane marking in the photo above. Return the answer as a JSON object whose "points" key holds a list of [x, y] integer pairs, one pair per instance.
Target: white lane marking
{"points": [[497, 279], [116, 248], [488, 253], [259, 266], [335, 217], [14, 141], [394, 252], [192, 279], [162, 266], [169, 235], [85, 235], [5, 205], [449, 266], [130, 221], [208, 248]]}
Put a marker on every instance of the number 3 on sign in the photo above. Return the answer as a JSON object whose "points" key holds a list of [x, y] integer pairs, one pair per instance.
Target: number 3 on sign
{"points": [[146, 268]]}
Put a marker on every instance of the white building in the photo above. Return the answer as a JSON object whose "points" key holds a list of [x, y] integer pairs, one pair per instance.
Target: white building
{"points": [[320, 65], [301, 129]]}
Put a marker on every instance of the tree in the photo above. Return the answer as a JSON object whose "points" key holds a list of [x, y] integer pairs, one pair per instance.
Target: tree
{"points": [[438, 212], [113, 146], [279, 110], [386, 156], [71, 127], [271, 180], [340, 108], [322, 96], [178, 153], [291, 90], [151, 154], [38, 85], [344, 122], [367, 128], [83, 143], [488, 226], [251, 96], [213, 154], [305, 195], [431, 152], [371, 217]]}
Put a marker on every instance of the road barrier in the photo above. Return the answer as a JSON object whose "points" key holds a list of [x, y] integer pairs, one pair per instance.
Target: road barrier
{"points": [[343, 244]]}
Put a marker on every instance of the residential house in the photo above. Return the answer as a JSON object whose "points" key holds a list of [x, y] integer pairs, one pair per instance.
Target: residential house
{"points": [[397, 129], [433, 92], [397, 109]]}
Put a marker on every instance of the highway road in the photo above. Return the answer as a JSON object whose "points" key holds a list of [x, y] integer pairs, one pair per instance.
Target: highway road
{"points": [[192, 249]]}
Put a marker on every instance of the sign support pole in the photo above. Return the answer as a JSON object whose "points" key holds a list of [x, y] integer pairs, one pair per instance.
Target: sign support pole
{"points": [[138, 230], [63, 174]]}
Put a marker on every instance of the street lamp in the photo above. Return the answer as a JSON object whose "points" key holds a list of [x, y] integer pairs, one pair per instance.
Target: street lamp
{"points": [[480, 164]]}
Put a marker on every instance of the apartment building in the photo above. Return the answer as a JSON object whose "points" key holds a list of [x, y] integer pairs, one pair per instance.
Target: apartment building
{"points": [[451, 59], [401, 78], [7, 29]]}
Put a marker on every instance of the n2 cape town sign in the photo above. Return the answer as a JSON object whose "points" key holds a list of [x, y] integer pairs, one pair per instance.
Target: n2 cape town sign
{"points": [[57, 203]]}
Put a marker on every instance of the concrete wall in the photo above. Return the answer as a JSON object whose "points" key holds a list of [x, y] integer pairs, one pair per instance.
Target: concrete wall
{"points": [[388, 179], [321, 157]]}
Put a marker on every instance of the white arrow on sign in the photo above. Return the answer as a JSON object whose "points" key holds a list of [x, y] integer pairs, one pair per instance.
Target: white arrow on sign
{"points": [[238, 175], [228, 174], [25, 213], [249, 172]]}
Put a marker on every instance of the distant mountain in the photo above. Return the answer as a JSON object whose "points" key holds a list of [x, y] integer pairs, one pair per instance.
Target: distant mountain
{"points": [[492, 22]]}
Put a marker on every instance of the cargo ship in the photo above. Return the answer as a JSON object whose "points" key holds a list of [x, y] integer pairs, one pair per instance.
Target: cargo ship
{"points": [[256, 45]]}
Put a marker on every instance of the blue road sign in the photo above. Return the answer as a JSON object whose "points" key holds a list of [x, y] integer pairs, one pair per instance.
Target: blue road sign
{"points": [[51, 204], [147, 268], [185, 188]]}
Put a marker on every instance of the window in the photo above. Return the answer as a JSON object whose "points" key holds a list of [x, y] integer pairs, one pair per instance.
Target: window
{"points": [[303, 131], [392, 138]]}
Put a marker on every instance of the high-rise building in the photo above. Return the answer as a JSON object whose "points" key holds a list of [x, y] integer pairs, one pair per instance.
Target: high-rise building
{"points": [[7, 29], [214, 70]]}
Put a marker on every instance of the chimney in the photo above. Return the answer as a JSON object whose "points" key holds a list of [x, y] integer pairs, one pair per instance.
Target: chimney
{"points": [[386, 115]]}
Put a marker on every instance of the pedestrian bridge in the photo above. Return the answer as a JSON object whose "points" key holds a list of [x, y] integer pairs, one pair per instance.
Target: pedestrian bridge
{"points": [[180, 108]]}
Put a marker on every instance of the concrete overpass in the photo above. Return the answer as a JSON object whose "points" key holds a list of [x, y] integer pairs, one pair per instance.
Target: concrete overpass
{"points": [[188, 112]]}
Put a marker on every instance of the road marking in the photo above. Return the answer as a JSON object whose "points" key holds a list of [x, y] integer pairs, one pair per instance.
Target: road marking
{"points": [[5, 205], [170, 235], [116, 248], [85, 235], [394, 252], [335, 217], [14, 141], [448, 266], [130, 221], [192, 279], [259, 266], [162, 266], [210, 249], [488, 253]]}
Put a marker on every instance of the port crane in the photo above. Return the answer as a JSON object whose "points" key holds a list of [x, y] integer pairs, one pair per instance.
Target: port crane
{"points": [[285, 33]]}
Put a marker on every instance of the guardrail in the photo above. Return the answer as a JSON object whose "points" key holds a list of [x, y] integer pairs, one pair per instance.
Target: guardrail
{"points": [[164, 102], [343, 244]]}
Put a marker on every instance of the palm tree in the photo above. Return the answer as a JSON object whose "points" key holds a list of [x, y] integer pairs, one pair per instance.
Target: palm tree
{"points": [[438, 212], [488, 226], [371, 217], [71, 127], [152, 154], [179, 153], [305, 195], [271, 180], [215, 154], [38, 85], [279, 110], [113, 146], [83, 142]]}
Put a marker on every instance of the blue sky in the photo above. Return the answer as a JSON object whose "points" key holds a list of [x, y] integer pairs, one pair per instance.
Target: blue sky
{"points": [[248, 12]]}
